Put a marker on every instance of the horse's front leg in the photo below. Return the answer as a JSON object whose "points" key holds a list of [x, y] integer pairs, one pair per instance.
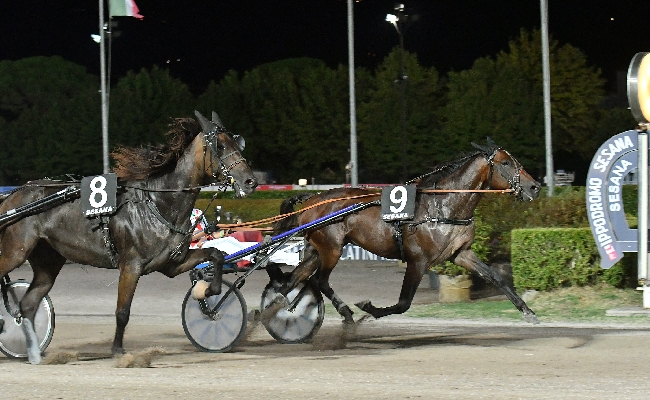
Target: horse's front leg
{"points": [[469, 260], [412, 279], [217, 258], [128, 281], [203, 289]]}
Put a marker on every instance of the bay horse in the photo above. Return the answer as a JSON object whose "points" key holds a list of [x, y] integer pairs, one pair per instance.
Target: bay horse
{"points": [[150, 231], [442, 227]]}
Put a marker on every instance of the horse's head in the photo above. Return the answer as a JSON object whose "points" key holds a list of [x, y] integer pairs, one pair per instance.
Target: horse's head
{"points": [[507, 173], [224, 152]]}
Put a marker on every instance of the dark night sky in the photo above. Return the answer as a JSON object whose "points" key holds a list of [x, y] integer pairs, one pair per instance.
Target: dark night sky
{"points": [[202, 39]]}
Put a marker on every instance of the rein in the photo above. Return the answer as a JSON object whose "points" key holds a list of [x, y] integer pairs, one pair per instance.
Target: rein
{"points": [[192, 189], [276, 218], [266, 221], [502, 191]]}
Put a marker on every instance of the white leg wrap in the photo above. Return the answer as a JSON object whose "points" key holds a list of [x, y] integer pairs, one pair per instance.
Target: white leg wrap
{"points": [[199, 290], [33, 350]]}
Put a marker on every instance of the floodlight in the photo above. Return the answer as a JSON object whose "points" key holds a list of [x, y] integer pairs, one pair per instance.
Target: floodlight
{"points": [[96, 38], [392, 18], [638, 87]]}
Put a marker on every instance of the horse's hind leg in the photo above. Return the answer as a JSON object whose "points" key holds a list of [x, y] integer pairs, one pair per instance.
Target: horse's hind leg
{"points": [[327, 263], [471, 262], [46, 264], [310, 263], [13, 253], [325, 288]]}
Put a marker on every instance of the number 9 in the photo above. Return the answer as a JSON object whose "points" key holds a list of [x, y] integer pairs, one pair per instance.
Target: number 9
{"points": [[398, 196]]}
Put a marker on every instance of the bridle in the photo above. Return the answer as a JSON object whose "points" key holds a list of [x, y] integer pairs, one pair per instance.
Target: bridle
{"points": [[513, 179], [210, 141]]}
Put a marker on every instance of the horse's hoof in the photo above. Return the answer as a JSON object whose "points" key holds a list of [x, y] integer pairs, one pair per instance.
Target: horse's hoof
{"points": [[530, 317], [34, 356], [280, 300], [198, 291], [346, 313], [278, 303], [253, 316], [363, 305]]}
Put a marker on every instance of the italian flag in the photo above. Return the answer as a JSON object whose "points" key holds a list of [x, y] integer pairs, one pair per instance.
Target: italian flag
{"points": [[123, 8]]}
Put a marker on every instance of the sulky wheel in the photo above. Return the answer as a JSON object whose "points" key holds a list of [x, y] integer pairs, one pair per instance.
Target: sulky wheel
{"points": [[301, 320], [12, 338], [219, 332]]}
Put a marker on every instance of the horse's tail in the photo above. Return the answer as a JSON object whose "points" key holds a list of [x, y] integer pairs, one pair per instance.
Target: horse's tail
{"points": [[291, 221]]}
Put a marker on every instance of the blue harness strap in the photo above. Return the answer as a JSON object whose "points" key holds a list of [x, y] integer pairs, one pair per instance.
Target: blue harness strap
{"points": [[326, 220]]}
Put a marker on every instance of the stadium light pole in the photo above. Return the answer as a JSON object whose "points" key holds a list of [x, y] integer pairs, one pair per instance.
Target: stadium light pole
{"points": [[354, 166], [398, 20], [546, 71], [103, 87]]}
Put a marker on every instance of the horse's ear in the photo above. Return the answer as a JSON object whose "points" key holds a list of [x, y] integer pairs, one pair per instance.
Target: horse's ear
{"points": [[491, 143], [206, 125], [216, 119], [241, 143], [478, 146]]}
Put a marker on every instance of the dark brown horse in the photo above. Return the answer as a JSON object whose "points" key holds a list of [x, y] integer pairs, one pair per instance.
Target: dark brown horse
{"points": [[442, 228], [150, 231]]}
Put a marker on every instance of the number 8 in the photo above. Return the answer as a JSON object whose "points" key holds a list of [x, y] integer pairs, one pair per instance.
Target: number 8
{"points": [[97, 185], [401, 200]]}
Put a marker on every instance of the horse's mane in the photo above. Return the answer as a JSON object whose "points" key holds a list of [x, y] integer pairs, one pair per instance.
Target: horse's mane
{"points": [[445, 169], [135, 163]]}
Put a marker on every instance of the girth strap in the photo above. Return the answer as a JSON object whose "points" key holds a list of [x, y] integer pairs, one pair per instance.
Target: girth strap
{"points": [[108, 243], [398, 238], [156, 212]]}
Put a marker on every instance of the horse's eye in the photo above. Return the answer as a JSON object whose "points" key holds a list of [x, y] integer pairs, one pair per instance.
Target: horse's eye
{"points": [[505, 163], [221, 147]]}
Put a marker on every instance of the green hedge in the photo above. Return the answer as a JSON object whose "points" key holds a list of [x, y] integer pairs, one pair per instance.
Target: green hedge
{"points": [[566, 209], [550, 258]]}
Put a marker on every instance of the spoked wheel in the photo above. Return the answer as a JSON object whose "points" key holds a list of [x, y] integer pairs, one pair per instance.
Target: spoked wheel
{"points": [[12, 338], [301, 320], [219, 332]]}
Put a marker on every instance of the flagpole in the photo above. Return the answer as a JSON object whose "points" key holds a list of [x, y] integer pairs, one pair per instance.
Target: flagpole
{"points": [[102, 69]]}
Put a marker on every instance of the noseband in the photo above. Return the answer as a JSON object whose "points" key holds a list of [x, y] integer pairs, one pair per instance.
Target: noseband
{"points": [[514, 180], [210, 141]]}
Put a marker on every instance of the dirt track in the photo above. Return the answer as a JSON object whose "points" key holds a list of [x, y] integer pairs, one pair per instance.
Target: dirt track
{"points": [[395, 357]]}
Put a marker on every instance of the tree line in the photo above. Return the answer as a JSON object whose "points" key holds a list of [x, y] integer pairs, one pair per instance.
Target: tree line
{"points": [[294, 114]]}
